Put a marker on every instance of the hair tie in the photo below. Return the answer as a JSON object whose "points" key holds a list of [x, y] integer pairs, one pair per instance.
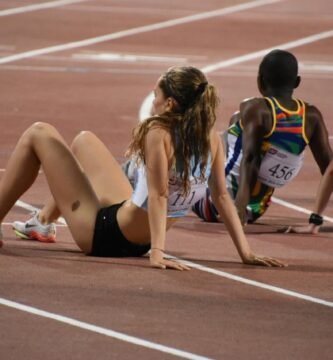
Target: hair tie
{"points": [[202, 87]]}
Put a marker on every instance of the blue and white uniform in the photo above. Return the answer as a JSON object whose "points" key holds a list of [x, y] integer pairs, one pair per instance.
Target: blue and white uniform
{"points": [[178, 203]]}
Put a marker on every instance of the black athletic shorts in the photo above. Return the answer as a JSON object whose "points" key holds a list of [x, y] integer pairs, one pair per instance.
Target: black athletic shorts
{"points": [[108, 240]]}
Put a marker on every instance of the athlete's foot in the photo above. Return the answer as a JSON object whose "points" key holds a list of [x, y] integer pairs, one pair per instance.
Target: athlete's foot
{"points": [[33, 229]]}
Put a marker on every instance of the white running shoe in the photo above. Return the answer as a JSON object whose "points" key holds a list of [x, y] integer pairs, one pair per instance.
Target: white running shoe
{"points": [[33, 229]]}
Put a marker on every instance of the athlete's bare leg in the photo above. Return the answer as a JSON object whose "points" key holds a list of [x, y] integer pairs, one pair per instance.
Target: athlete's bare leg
{"points": [[42, 145], [99, 166]]}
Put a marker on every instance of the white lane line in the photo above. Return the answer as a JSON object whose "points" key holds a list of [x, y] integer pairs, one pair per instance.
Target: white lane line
{"points": [[146, 104], [236, 72], [102, 331], [236, 277], [138, 30], [31, 208], [127, 58], [11, 224], [324, 68], [84, 69], [28, 8], [258, 54], [297, 208], [226, 64], [255, 283], [276, 200], [144, 112], [26, 206], [42, 68]]}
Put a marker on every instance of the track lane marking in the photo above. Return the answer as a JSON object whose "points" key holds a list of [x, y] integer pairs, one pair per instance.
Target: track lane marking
{"points": [[102, 331], [32, 208], [213, 67], [146, 104], [297, 208], [255, 283], [138, 30], [145, 110], [237, 278], [35, 7]]}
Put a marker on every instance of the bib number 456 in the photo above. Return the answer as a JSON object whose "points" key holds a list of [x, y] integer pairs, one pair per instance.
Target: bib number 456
{"points": [[281, 172]]}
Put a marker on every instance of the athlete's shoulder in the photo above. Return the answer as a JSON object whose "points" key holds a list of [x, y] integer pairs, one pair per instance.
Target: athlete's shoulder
{"points": [[158, 132], [235, 117], [312, 110], [314, 122], [253, 103], [255, 112], [158, 139]]}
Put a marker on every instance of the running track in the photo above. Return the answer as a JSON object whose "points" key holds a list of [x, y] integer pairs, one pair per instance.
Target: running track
{"points": [[91, 65]]}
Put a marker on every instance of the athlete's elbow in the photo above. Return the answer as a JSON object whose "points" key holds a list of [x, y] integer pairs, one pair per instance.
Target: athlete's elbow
{"points": [[251, 159], [158, 196], [220, 198]]}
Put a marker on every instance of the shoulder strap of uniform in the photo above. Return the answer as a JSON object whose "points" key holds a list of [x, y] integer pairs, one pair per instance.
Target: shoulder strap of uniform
{"points": [[270, 101], [302, 105]]}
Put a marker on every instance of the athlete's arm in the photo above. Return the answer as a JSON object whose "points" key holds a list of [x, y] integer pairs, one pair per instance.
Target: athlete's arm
{"points": [[227, 210], [256, 122], [317, 135], [236, 115], [323, 195], [157, 153], [234, 118], [325, 190]]}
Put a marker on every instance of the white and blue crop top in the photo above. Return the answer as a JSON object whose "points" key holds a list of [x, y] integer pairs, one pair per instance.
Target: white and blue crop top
{"points": [[177, 205]]}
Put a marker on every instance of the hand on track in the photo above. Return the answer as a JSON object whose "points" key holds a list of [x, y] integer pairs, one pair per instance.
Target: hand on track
{"points": [[263, 261], [158, 261], [307, 229]]}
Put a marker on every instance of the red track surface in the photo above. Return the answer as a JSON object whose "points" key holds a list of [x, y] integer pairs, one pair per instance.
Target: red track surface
{"points": [[201, 313]]}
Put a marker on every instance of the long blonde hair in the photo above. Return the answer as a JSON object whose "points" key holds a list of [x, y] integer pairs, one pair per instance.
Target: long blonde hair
{"points": [[189, 123]]}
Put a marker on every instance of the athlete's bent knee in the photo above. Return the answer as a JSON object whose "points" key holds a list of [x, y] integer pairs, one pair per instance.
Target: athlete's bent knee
{"points": [[42, 129], [37, 130], [81, 140]]}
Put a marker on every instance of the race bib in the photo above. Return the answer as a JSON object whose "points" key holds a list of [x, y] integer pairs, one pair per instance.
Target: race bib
{"points": [[179, 204], [278, 167]]}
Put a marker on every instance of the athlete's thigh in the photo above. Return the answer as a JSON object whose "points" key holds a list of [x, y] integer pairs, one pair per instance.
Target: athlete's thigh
{"points": [[71, 189], [103, 171]]}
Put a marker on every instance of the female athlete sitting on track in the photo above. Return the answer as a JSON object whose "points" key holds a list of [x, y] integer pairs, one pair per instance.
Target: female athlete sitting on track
{"points": [[178, 153]]}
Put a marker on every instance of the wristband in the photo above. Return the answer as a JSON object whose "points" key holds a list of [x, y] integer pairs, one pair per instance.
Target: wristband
{"points": [[316, 219]]}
